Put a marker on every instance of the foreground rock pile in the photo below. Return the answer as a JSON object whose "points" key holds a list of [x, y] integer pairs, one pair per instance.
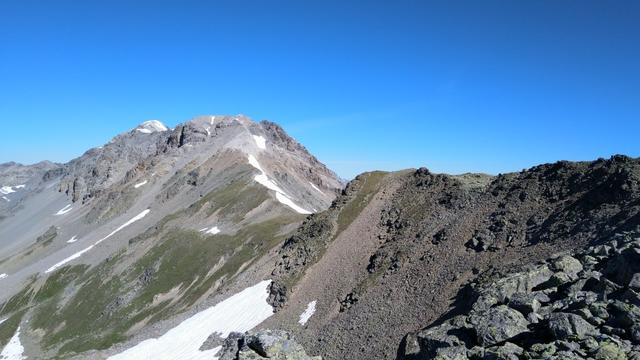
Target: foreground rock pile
{"points": [[585, 306], [263, 344]]}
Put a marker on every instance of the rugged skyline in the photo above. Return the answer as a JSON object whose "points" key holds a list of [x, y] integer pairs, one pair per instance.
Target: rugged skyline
{"points": [[460, 86]]}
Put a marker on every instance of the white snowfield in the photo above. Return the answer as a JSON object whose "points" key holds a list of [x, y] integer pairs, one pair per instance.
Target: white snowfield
{"points": [[240, 312], [64, 210], [284, 199], [281, 196], [261, 142], [306, 315], [315, 187], [73, 239], [151, 126], [5, 190], [14, 349], [213, 230], [140, 184], [2, 276], [83, 251]]}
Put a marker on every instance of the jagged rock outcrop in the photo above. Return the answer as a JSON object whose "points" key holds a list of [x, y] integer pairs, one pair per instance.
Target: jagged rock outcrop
{"points": [[263, 344], [580, 306]]}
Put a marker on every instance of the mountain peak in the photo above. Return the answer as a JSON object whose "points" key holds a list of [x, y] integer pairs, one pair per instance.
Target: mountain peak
{"points": [[151, 126]]}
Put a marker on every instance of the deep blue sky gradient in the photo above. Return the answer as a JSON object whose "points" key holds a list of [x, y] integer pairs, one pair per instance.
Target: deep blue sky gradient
{"points": [[456, 86]]}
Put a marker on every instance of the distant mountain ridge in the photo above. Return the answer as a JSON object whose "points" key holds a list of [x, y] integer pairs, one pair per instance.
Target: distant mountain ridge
{"points": [[120, 215]]}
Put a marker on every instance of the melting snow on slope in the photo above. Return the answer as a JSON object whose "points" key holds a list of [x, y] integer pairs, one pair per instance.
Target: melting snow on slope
{"points": [[2, 276], [260, 141], [315, 187], [286, 201], [73, 239], [6, 198], [14, 349], [214, 230], [64, 210], [3, 320], [83, 251], [140, 184], [281, 196], [69, 259], [133, 219], [5, 190], [306, 315], [240, 312]]}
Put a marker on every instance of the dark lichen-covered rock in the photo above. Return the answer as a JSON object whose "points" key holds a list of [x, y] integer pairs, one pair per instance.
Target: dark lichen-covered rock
{"points": [[565, 326], [499, 324]]}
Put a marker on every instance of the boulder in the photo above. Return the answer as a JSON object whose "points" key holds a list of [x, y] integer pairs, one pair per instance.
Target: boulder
{"points": [[430, 341], [568, 265], [269, 344], [505, 288], [499, 324], [567, 326], [525, 303], [610, 351], [508, 351]]}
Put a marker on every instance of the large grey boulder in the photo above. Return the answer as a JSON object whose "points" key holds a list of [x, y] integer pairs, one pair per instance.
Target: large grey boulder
{"points": [[505, 288], [568, 265], [499, 324], [432, 341], [566, 326]]}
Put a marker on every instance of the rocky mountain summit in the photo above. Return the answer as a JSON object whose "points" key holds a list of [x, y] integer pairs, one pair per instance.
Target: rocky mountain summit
{"points": [[158, 222], [585, 305]]}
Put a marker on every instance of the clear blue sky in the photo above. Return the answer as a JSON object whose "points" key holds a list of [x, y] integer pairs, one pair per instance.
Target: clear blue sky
{"points": [[456, 86]]}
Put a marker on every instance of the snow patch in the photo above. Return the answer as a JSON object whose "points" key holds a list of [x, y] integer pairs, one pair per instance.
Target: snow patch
{"points": [[206, 128], [284, 199], [73, 239], [238, 313], [2, 320], [213, 118], [69, 259], [83, 251], [315, 187], [64, 210], [151, 126], [281, 196], [2, 276], [306, 315], [133, 219], [140, 184], [213, 230], [14, 349], [261, 142], [6, 198], [6, 190]]}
